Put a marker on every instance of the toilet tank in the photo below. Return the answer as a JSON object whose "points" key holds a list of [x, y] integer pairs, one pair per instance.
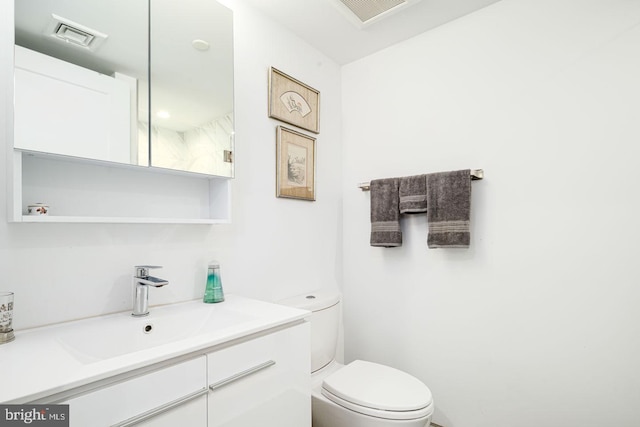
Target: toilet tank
{"points": [[325, 321]]}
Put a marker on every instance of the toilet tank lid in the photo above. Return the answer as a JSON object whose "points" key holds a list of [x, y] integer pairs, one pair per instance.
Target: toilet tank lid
{"points": [[314, 301]]}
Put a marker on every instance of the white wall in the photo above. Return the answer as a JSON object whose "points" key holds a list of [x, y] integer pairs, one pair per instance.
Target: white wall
{"points": [[538, 322], [273, 249], [281, 247]]}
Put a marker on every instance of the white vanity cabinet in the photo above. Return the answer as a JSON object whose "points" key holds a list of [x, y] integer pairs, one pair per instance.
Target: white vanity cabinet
{"points": [[159, 398], [262, 382]]}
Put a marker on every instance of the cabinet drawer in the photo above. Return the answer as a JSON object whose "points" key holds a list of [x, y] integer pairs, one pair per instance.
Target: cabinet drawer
{"points": [[124, 400], [265, 381]]}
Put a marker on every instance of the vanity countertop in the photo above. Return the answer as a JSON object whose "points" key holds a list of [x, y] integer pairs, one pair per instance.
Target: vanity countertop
{"points": [[57, 358]]}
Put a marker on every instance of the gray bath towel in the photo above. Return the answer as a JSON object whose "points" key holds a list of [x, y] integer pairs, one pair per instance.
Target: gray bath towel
{"points": [[385, 216], [449, 213], [413, 194]]}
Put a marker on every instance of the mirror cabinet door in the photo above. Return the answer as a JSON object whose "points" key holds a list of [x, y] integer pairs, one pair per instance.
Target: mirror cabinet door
{"points": [[191, 56], [82, 82], [81, 78]]}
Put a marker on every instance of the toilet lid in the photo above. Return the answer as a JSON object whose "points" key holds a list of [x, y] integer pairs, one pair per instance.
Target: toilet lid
{"points": [[378, 387]]}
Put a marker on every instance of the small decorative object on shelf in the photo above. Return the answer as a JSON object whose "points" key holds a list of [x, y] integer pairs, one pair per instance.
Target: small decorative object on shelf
{"points": [[38, 209]]}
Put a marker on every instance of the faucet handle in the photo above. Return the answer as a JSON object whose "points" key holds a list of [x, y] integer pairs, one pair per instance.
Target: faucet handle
{"points": [[143, 270]]}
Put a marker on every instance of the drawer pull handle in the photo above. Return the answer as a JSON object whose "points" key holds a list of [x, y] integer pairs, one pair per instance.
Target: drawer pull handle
{"points": [[160, 409], [242, 374]]}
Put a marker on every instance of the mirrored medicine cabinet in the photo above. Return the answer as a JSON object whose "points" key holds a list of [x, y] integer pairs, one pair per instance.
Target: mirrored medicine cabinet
{"points": [[138, 82]]}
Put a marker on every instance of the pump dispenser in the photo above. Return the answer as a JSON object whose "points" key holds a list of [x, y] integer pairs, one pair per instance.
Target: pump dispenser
{"points": [[213, 292]]}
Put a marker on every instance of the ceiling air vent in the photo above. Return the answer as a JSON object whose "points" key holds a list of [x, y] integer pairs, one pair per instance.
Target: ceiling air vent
{"points": [[366, 12], [74, 34]]}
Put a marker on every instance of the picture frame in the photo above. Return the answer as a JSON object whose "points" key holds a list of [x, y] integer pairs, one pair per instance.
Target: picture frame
{"points": [[293, 102], [295, 164]]}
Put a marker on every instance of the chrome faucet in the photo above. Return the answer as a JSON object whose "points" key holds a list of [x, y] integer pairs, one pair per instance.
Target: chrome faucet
{"points": [[141, 282]]}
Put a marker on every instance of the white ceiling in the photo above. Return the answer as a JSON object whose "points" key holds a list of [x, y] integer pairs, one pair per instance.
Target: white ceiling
{"points": [[319, 22], [322, 24]]}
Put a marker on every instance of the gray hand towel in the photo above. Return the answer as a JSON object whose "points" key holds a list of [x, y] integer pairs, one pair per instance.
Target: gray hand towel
{"points": [[413, 194], [449, 213], [385, 216]]}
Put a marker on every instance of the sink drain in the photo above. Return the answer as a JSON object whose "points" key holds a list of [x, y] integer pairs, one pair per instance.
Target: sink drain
{"points": [[147, 328]]}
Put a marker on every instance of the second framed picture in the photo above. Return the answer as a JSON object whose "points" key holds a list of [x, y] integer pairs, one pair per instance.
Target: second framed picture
{"points": [[295, 164]]}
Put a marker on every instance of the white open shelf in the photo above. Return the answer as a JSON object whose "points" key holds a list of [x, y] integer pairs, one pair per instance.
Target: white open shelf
{"points": [[118, 220], [95, 192]]}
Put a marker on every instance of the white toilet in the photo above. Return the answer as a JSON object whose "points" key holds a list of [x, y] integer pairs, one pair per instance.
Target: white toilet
{"points": [[360, 394]]}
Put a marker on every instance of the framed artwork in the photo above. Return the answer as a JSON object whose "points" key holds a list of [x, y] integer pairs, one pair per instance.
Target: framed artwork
{"points": [[293, 102], [295, 164]]}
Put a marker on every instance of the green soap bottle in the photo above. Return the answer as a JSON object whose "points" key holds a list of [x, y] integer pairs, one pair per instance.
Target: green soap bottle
{"points": [[213, 292]]}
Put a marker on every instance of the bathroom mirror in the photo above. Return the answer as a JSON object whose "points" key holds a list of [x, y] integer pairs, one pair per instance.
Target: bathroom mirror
{"points": [[191, 86], [82, 86]]}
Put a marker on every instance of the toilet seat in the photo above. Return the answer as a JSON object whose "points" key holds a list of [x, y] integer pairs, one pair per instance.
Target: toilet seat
{"points": [[379, 391]]}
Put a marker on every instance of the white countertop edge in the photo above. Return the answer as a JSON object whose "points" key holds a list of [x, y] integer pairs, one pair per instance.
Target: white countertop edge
{"points": [[77, 374]]}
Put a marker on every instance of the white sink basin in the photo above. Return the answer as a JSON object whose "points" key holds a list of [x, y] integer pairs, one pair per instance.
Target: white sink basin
{"points": [[56, 358], [115, 335]]}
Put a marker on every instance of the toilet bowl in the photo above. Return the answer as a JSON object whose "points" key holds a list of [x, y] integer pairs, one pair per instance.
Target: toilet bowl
{"points": [[361, 393]]}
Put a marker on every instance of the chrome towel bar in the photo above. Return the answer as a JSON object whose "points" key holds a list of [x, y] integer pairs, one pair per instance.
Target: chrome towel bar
{"points": [[476, 174]]}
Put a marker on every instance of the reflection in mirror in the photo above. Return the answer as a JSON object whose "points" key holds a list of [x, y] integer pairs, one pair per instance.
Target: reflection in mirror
{"points": [[62, 106], [191, 57]]}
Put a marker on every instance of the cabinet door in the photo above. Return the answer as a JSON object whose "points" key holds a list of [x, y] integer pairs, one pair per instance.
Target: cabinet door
{"points": [[151, 397], [263, 382]]}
